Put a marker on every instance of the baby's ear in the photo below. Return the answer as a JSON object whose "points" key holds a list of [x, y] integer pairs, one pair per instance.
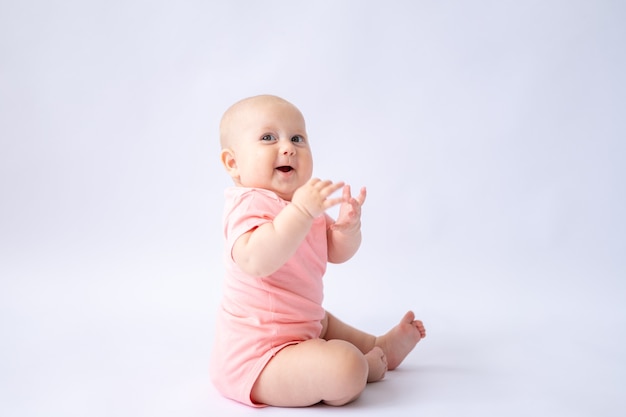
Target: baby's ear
{"points": [[228, 160]]}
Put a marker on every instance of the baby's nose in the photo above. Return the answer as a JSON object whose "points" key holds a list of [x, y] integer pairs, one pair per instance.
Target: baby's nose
{"points": [[288, 149]]}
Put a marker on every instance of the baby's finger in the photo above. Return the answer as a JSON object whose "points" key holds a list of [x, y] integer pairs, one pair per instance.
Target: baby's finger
{"points": [[329, 188], [318, 183], [362, 195], [347, 195], [330, 202]]}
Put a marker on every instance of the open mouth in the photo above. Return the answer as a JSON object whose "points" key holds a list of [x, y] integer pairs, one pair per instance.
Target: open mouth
{"points": [[285, 168]]}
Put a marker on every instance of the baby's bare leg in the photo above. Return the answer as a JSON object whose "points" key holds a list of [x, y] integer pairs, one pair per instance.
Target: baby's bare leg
{"points": [[397, 343], [334, 372], [333, 328]]}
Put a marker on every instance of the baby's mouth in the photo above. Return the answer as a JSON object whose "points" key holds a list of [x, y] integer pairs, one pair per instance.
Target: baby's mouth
{"points": [[285, 168]]}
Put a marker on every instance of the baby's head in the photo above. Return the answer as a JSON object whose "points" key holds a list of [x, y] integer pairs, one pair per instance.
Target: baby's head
{"points": [[265, 145]]}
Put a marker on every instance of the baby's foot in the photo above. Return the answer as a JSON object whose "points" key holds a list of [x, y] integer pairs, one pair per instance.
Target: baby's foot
{"points": [[399, 341], [378, 364]]}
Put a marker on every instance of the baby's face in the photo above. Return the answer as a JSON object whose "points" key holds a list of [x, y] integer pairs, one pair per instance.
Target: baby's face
{"points": [[270, 147]]}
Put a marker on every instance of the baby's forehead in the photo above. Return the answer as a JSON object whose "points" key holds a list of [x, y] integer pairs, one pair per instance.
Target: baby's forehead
{"points": [[262, 103], [247, 111], [256, 108]]}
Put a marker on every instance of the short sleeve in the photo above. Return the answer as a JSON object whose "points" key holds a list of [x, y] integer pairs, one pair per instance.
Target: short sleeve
{"points": [[247, 209]]}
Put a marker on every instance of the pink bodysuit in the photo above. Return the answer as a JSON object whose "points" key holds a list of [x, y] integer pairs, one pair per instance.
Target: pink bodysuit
{"points": [[259, 316]]}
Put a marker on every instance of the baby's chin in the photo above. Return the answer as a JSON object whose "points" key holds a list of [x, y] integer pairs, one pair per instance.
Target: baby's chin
{"points": [[284, 196], [285, 193]]}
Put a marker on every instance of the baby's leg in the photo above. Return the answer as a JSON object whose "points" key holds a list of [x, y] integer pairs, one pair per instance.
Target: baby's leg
{"points": [[396, 343], [333, 328], [399, 341], [334, 372]]}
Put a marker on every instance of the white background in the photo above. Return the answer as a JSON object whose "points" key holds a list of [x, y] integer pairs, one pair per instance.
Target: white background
{"points": [[490, 135]]}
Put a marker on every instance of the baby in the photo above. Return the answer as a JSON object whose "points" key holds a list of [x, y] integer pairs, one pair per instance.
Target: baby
{"points": [[275, 344]]}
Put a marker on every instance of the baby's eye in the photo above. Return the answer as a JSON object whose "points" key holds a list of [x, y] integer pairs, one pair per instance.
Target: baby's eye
{"points": [[268, 138], [297, 139]]}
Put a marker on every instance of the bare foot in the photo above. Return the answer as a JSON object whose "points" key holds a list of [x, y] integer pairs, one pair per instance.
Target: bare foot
{"points": [[377, 363], [399, 341]]}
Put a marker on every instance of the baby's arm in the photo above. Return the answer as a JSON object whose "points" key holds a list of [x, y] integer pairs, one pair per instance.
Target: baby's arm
{"points": [[344, 235], [263, 250]]}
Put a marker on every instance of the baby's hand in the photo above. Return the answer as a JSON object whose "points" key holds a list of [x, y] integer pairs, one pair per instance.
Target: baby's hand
{"points": [[313, 197], [349, 218]]}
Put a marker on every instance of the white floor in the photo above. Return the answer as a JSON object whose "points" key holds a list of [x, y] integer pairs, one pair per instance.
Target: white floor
{"points": [[132, 339]]}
